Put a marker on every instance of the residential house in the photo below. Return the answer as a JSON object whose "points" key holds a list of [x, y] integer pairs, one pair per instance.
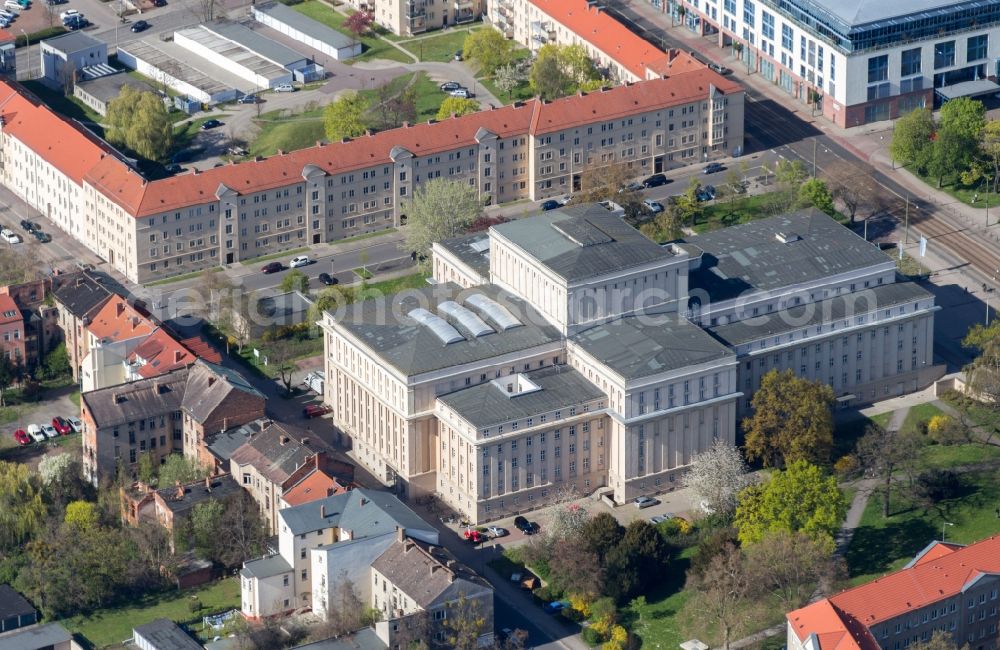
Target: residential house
{"points": [[41, 318], [412, 579], [321, 478], [15, 610], [157, 414], [51, 636], [12, 331], [115, 332], [64, 56], [78, 299], [947, 587], [322, 543]]}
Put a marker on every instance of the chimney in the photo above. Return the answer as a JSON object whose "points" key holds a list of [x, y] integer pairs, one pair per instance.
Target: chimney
{"points": [[208, 483], [281, 152], [435, 568], [79, 281], [119, 308], [135, 322], [400, 534], [195, 171], [322, 511], [363, 501], [225, 423], [180, 490], [305, 442], [211, 380], [177, 356], [283, 441]]}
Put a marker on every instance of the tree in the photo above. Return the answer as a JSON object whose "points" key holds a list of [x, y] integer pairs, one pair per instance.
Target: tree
{"points": [[565, 557], [688, 206], [548, 79], [215, 292], [964, 115], [815, 193], [852, 186], [440, 209], [344, 118], [295, 280], [205, 10], [139, 121], [983, 373], [176, 468], [800, 498], [466, 621], [489, 49], [280, 358], [639, 561], [508, 77], [940, 640], [716, 477], [792, 420], [81, 516], [600, 534], [568, 522], [790, 565], [722, 596], [457, 106], [345, 611], [242, 530], [393, 108], [146, 470], [578, 65], [882, 452], [912, 136], [989, 152], [16, 267], [57, 361], [22, 511], [952, 152], [360, 23]]}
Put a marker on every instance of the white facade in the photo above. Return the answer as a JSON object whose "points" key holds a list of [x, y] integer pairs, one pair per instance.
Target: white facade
{"points": [[307, 31], [259, 72], [63, 56]]}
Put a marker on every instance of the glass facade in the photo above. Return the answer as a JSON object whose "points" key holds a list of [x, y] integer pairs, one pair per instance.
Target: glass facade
{"points": [[944, 54], [909, 62], [975, 49]]}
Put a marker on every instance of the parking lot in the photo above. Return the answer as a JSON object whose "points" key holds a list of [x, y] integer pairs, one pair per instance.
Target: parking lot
{"points": [[54, 402]]}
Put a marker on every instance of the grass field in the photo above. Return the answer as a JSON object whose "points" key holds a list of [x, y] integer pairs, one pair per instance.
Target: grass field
{"points": [[654, 618], [881, 545], [266, 258], [287, 135], [373, 47], [112, 626], [428, 95], [440, 47], [69, 106]]}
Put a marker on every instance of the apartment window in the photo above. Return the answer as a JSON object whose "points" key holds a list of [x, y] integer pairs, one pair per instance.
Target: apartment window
{"points": [[910, 62], [878, 68], [975, 48], [748, 13], [944, 55], [787, 39], [767, 25]]}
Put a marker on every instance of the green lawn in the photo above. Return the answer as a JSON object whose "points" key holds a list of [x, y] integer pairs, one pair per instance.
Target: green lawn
{"points": [[654, 619], [964, 193], [919, 415], [428, 95], [364, 274], [521, 93], [847, 428], [440, 47], [183, 276], [946, 456], [373, 47], [68, 106], [367, 235], [274, 256], [882, 545], [112, 626], [291, 135], [75, 398]]}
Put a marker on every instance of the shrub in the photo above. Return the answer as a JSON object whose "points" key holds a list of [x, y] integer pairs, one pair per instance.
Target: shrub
{"points": [[591, 636], [846, 466]]}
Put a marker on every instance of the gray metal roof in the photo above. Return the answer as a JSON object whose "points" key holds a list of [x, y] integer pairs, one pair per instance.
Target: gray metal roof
{"points": [[257, 43], [13, 604], [224, 443], [364, 512], [488, 404], [182, 69], [470, 250], [72, 42], [384, 326], [859, 12], [750, 257], [579, 242], [640, 346], [365, 639], [33, 638], [208, 387], [110, 86], [832, 309], [234, 52], [265, 567], [83, 293], [304, 24], [967, 89], [164, 634]]}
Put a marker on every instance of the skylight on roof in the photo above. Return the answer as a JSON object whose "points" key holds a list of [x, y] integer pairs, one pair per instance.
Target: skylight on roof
{"points": [[466, 318], [497, 313], [439, 326]]}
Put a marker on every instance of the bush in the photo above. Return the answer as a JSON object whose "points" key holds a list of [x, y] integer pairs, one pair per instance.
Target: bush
{"points": [[547, 593], [194, 605], [571, 614], [846, 466], [591, 636], [41, 34]]}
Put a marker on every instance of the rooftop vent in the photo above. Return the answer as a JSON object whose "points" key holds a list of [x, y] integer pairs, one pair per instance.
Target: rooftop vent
{"points": [[787, 237], [439, 326], [466, 318], [514, 385], [497, 313]]}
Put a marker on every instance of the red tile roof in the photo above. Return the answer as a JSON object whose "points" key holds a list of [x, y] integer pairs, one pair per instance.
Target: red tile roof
{"points": [[940, 571], [595, 26], [7, 305], [318, 485], [117, 320], [59, 141], [161, 353]]}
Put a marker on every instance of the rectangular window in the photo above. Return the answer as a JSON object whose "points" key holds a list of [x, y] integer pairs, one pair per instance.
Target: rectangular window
{"points": [[787, 41], [975, 48], [878, 68], [944, 55], [767, 25], [910, 62], [748, 13]]}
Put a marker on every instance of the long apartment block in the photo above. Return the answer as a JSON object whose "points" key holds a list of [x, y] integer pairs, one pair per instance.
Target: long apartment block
{"points": [[150, 229]]}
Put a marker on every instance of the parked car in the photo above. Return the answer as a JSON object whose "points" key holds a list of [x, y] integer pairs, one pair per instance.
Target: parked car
{"points": [[76, 424], [8, 15], [655, 207], [4, 21], [63, 16], [139, 26], [474, 536], [159, 3], [721, 69], [301, 260], [61, 425], [555, 606], [272, 267], [315, 410], [658, 519], [449, 86], [284, 88], [74, 24], [634, 186], [645, 502], [327, 279], [25, 4], [565, 199], [314, 382], [36, 433], [10, 236], [30, 226], [706, 193], [461, 92], [21, 437], [49, 431], [249, 99], [210, 124], [497, 531], [43, 237], [522, 525], [655, 181], [173, 168], [458, 55], [713, 168], [551, 204]]}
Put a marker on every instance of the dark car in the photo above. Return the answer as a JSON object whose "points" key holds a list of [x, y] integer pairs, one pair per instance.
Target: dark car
{"points": [[210, 124], [551, 204], [524, 525], [74, 23], [271, 267], [458, 55], [42, 236], [139, 26], [30, 226], [327, 279], [721, 69], [655, 181], [173, 168], [249, 99], [713, 168], [159, 3]]}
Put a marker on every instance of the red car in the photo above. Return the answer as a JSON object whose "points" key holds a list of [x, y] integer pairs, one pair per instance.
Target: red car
{"points": [[474, 535], [315, 410], [61, 425], [21, 437]]}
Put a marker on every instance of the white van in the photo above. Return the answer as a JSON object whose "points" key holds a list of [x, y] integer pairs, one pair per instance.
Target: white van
{"points": [[11, 5], [314, 380]]}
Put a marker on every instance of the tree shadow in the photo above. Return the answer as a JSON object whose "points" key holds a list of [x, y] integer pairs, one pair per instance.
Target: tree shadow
{"points": [[873, 550]]}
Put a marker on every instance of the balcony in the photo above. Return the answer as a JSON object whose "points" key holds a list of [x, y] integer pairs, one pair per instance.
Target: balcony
{"points": [[464, 15]]}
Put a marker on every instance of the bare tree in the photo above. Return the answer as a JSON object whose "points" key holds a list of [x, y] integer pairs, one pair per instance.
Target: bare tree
{"points": [[280, 356], [205, 10], [345, 612], [790, 565], [465, 623], [722, 596], [883, 452], [716, 476], [853, 187]]}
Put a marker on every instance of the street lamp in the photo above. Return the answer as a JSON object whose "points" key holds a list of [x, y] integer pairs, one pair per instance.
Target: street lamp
{"points": [[943, 524]]}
